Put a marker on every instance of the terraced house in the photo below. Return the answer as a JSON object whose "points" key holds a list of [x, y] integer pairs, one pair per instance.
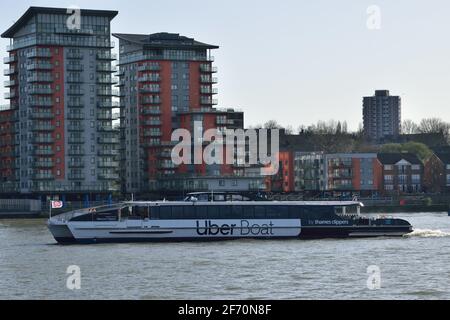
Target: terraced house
{"points": [[402, 173], [61, 135]]}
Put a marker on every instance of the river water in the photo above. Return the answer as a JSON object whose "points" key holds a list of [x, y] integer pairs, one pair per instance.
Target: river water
{"points": [[32, 266]]}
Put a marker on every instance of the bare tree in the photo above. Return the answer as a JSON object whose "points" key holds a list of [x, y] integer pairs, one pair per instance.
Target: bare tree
{"points": [[434, 125], [271, 124], [409, 127]]}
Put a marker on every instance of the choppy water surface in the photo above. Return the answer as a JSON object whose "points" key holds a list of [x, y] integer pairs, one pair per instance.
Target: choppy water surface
{"points": [[32, 266]]}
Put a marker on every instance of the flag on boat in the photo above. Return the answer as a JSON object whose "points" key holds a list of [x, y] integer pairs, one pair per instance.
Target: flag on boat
{"points": [[57, 204]]}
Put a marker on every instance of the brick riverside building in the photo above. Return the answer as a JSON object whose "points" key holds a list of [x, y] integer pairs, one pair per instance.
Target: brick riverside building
{"points": [[437, 173], [60, 91], [402, 173], [166, 82]]}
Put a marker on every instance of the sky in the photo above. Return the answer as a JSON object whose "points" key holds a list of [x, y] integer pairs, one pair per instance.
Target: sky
{"points": [[301, 61]]}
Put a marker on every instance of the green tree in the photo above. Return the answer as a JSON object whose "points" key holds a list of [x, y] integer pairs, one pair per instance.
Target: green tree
{"points": [[417, 148]]}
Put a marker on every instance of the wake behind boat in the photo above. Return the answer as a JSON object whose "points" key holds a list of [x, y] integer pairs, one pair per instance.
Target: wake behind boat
{"points": [[199, 217]]}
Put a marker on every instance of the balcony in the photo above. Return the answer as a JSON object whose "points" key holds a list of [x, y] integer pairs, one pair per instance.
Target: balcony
{"points": [[10, 95], [106, 128], [150, 78], [40, 78], [76, 164], [106, 140], [108, 164], [43, 164], [76, 176], [10, 83], [75, 104], [108, 152], [10, 59], [39, 66], [208, 80], [75, 92], [39, 53], [148, 89], [108, 176], [107, 80], [209, 90], [75, 79], [74, 67], [106, 56], [42, 176], [74, 55], [42, 140], [106, 68], [42, 127], [208, 101], [42, 115], [40, 102], [107, 92], [151, 100], [75, 116], [73, 127], [108, 104], [41, 90], [76, 152], [149, 67], [43, 152], [207, 68], [76, 140], [152, 133], [154, 111], [151, 123], [9, 71]]}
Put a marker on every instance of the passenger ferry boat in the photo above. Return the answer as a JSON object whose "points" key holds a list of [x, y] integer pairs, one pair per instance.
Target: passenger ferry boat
{"points": [[203, 216]]}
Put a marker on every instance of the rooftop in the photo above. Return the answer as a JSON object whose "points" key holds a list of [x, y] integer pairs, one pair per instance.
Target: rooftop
{"points": [[164, 40], [393, 158], [22, 21]]}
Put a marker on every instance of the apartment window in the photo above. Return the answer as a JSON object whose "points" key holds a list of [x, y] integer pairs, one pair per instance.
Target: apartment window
{"points": [[222, 183], [388, 167], [448, 167], [415, 167]]}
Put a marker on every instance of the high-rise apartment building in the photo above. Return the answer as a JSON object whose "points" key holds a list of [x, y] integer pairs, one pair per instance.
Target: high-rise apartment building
{"points": [[58, 130], [381, 115], [166, 82]]}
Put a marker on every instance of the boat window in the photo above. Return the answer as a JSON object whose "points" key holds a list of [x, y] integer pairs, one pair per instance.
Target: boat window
{"points": [[219, 197], [213, 212], [276, 212], [203, 197], [225, 212], [154, 212], [84, 217], [294, 212], [260, 212], [188, 212], [177, 212], [126, 212], [201, 212], [236, 212], [140, 211], [248, 212], [110, 215], [165, 212]]}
